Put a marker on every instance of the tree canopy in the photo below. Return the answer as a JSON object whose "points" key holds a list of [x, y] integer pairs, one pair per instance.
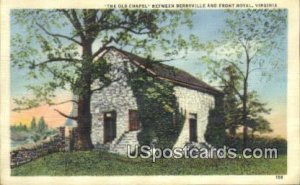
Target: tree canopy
{"points": [[247, 48], [65, 47]]}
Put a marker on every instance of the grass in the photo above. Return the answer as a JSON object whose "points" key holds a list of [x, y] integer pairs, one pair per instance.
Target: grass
{"points": [[101, 163]]}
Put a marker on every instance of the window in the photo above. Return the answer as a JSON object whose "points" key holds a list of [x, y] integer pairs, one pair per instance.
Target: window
{"points": [[193, 127], [133, 120]]}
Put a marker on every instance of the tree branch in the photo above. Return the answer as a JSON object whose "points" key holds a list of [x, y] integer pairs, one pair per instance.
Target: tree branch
{"points": [[63, 102], [248, 60], [104, 14], [55, 74], [104, 46], [236, 67], [66, 116], [75, 22], [98, 89], [170, 59], [234, 88], [255, 69], [133, 31], [58, 35], [59, 59]]}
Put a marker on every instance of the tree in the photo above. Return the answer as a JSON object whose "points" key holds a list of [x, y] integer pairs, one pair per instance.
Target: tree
{"points": [[33, 124], [249, 44], [255, 121], [24, 127], [19, 127], [260, 125], [232, 105], [42, 124], [72, 44]]}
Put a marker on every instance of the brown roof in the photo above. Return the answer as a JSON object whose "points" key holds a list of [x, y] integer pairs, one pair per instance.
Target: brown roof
{"points": [[170, 73]]}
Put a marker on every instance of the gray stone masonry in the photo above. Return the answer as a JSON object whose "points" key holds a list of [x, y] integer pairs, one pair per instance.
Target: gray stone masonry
{"points": [[119, 97]]}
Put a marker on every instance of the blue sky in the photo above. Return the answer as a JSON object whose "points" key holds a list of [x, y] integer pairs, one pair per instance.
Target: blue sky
{"points": [[206, 25]]}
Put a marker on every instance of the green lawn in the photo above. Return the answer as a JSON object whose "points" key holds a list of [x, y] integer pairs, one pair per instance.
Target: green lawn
{"points": [[100, 163]]}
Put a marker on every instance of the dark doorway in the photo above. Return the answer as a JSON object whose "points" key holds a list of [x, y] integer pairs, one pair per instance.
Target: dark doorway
{"points": [[133, 120], [193, 127], [109, 126]]}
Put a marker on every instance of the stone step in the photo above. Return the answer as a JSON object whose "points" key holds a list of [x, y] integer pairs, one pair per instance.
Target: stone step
{"points": [[122, 148], [126, 142], [128, 138], [123, 145]]}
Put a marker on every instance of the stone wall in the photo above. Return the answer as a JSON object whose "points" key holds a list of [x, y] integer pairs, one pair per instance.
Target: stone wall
{"points": [[193, 102], [27, 154], [118, 97]]}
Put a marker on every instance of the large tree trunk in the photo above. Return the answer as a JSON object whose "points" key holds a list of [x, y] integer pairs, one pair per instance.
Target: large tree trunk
{"points": [[84, 125], [84, 117]]}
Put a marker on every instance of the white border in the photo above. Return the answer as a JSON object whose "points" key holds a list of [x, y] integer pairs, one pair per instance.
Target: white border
{"points": [[292, 176]]}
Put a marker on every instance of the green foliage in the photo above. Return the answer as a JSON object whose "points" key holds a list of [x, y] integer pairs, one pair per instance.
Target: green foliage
{"points": [[21, 135], [215, 130], [57, 46], [19, 127], [256, 33], [33, 124], [249, 43], [161, 119], [257, 142], [231, 106], [64, 48], [42, 126], [255, 119], [102, 163]]}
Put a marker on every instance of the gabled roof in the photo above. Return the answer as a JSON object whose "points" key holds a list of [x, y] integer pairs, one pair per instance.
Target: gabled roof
{"points": [[170, 73]]}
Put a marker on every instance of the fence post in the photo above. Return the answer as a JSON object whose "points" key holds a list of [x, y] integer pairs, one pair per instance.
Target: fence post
{"points": [[73, 138], [62, 132]]}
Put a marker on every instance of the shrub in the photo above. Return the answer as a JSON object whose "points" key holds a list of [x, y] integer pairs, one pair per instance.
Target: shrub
{"points": [[161, 119], [215, 131], [257, 142]]}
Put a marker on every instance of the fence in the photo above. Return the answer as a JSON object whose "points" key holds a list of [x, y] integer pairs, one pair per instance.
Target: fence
{"points": [[27, 154]]}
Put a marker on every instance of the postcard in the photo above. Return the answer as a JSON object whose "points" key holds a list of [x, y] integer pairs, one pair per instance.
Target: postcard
{"points": [[138, 92]]}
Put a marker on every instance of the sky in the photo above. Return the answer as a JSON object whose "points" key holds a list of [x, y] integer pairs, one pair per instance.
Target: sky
{"points": [[206, 25]]}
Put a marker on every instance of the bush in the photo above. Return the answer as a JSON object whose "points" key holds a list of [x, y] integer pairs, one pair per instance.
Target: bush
{"points": [[257, 142], [215, 132], [158, 110]]}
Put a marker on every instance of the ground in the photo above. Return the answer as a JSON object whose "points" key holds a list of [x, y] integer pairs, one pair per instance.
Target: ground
{"points": [[100, 163]]}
